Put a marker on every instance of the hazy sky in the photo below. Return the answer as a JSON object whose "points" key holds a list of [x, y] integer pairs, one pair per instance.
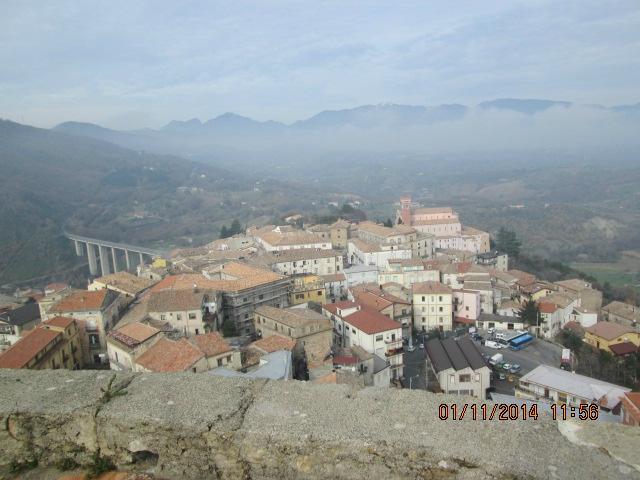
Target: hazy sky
{"points": [[130, 64]]}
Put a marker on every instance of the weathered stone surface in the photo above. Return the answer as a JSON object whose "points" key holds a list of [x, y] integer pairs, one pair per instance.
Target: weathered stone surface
{"points": [[191, 426]]}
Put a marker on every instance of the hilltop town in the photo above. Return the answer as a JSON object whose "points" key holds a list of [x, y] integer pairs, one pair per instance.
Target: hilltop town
{"points": [[424, 303]]}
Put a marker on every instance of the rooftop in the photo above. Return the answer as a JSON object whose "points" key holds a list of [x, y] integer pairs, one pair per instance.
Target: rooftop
{"points": [[84, 301], [27, 348], [574, 284], [624, 310], [371, 321], [27, 313], [133, 334], [175, 300], [170, 356], [382, 231], [608, 330], [457, 354], [623, 348], [211, 344], [126, 282], [577, 385], [293, 317], [431, 287], [274, 343]]}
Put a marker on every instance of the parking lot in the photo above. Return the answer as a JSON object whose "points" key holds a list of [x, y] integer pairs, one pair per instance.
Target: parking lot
{"points": [[535, 353]]}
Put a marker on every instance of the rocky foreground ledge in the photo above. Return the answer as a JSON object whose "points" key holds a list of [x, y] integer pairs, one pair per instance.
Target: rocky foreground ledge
{"points": [[189, 426]]}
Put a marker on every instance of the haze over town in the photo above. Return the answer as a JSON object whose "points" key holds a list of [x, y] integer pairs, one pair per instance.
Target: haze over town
{"points": [[305, 239]]}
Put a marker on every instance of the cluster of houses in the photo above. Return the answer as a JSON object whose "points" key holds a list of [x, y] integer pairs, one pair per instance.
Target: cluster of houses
{"points": [[326, 303]]}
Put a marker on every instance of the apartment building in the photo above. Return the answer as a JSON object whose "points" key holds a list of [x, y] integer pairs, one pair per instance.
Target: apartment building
{"points": [[96, 313], [466, 305], [376, 255], [396, 308], [355, 325], [53, 344], [190, 312], [432, 306], [555, 312], [302, 261], [16, 322], [459, 367], [590, 298], [307, 288], [399, 236], [243, 287], [406, 272], [278, 238], [311, 330], [128, 342]]}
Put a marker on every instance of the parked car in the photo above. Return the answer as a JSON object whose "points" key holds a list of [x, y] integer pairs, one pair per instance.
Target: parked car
{"points": [[506, 366], [501, 376], [480, 338], [422, 345], [515, 368], [411, 348], [491, 331]]}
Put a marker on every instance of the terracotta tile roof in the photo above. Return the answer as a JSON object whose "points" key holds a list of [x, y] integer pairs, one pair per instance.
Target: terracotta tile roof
{"points": [[432, 210], [333, 307], [62, 322], [26, 349], [175, 301], [170, 356], [574, 284], [335, 277], [83, 301], [126, 282], [608, 330], [230, 277], [369, 299], [274, 343], [436, 221], [547, 307], [524, 278], [211, 344], [370, 321], [364, 246], [431, 287], [623, 348], [288, 237], [345, 360], [294, 317], [133, 334]]}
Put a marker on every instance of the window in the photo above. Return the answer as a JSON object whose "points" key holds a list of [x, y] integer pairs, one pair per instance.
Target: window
{"points": [[465, 378], [441, 309], [178, 316], [467, 308], [94, 341], [246, 315], [452, 379], [320, 292], [379, 338], [197, 332], [261, 296], [192, 316], [440, 298], [353, 330], [219, 362], [424, 298]]}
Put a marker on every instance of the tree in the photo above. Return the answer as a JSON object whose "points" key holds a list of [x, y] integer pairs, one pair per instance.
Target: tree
{"points": [[388, 223], [236, 228], [229, 328], [529, 313], [506, 241], [224, 233]]}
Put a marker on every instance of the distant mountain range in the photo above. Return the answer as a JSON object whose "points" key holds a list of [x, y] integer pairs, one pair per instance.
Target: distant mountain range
{"points": [[366, 116]]}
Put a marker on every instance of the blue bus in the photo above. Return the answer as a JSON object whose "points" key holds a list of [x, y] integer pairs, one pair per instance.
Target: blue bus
{"points": [[521, 341]]}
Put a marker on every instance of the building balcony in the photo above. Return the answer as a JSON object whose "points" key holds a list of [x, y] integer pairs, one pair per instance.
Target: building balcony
{"points": [[392, 352], [393, 344]]}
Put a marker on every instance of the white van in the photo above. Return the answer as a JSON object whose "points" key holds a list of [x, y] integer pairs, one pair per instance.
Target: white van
{"points": [[492, 344]]}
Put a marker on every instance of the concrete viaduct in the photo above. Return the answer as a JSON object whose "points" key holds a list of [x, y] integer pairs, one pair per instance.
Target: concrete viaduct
{"points": [[106, 249]]}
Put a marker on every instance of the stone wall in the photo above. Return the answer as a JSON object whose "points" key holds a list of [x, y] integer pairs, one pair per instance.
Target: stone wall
{"points": [[192, 426]]}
